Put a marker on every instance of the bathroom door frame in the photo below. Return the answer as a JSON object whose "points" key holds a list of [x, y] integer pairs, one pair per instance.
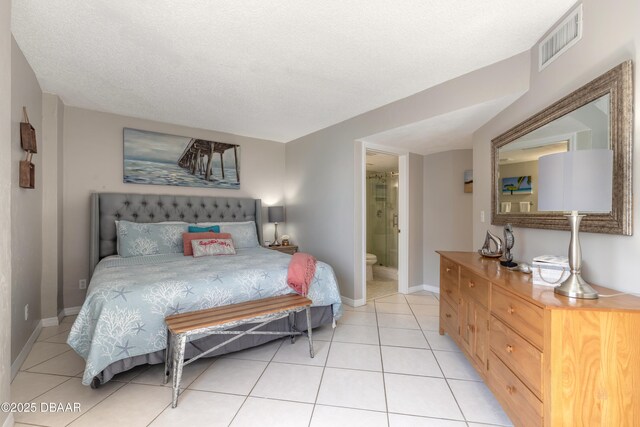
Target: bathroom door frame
{"points": [[403, 215]]}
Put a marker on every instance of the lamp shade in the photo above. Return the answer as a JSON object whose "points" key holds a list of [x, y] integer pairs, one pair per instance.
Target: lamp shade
{"points": [[576, 181], [276, 213]]}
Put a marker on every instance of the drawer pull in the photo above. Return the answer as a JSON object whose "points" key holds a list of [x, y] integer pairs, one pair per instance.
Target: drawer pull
{"points": [[447, 269], [509, 349], [471, 284], [511, 389], [448, 315], [448, 291], [471, 328], [511, 310]]}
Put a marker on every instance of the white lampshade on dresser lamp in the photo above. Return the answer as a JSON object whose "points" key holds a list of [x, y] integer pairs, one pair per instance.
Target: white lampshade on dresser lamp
{"points": [[276, 215], [576, 181]]}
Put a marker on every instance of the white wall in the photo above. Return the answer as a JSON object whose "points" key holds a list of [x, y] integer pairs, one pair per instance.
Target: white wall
{"points": [[324, 169], [611, 36], [5, 204], [26, 206], [93, 160], [447, 209]]}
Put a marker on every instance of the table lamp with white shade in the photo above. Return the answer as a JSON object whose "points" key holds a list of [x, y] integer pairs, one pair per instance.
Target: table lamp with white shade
{"points": [[576, 181]]}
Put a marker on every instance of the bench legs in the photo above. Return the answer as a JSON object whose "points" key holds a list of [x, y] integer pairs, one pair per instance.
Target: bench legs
{"points": [[174, 353], [292, 320], [310, 332], [167, 358], [178, 345]]}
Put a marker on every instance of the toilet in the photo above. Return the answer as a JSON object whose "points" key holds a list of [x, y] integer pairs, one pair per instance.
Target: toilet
{"points": [[371, 260]]}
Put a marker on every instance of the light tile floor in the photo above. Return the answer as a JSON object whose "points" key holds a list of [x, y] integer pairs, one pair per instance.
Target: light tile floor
{"points": [[384, 365]]}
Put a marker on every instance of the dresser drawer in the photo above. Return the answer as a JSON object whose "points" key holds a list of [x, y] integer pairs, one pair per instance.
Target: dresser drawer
{"points": [[474, 286], [449, 280], [518, 354], [523, 407], [523, 317], [449, 318]]}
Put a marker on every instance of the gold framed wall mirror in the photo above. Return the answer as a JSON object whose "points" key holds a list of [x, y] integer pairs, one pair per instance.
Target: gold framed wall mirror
{"points": [[597, 115]]}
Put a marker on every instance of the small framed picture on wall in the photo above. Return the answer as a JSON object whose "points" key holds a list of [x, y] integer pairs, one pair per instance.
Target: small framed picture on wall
{"points": [[468, 181]]}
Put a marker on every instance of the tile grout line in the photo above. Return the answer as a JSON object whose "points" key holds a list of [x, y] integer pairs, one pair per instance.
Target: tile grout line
{"points": [[257, 381], [384, 383], [215, 358], [56, 335], [96, 404], [44, 361], [445, 378], [324, 368], [441, 370], [41, 394]]}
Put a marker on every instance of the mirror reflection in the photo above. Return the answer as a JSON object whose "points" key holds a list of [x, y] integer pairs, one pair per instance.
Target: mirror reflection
{"points": [[585, 128]]}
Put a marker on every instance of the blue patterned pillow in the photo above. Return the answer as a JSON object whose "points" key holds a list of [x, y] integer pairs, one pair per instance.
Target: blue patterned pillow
{"points": [[136, 239], [244, 234]]}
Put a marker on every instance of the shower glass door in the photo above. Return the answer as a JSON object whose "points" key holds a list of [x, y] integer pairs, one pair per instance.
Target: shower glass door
{"points": [[382, 217]]}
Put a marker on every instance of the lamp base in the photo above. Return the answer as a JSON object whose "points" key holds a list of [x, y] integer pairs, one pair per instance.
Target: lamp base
{"points": [[575, 287]]}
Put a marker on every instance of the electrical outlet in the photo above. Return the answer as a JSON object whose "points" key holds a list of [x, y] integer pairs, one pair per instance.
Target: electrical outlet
{"points": [[82, 284], [481, 216], [26, 312]]}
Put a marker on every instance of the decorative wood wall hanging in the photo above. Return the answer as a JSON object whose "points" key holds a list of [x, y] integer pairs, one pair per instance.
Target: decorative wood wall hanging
{"points": [[28, 144]]}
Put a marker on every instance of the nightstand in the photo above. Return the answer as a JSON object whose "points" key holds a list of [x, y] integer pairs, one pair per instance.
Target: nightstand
{"points": [[291, 249]]}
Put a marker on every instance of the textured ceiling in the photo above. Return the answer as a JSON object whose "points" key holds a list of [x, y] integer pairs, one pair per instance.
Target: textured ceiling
{"points": [[270, 69], [451, 131]]}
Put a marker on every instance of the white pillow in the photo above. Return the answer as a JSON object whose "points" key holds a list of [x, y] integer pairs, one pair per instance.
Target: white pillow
{"points": [[209, 247]]}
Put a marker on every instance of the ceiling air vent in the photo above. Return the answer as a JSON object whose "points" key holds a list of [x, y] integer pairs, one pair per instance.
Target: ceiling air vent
{"points": [[561, 38]]}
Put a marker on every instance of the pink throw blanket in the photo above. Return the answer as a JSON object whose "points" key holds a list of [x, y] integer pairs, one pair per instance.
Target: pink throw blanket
{"points": [[302, 268]]}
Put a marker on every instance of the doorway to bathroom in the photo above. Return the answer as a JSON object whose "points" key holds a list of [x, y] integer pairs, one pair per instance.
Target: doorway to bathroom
{"points": [[382, 193]]}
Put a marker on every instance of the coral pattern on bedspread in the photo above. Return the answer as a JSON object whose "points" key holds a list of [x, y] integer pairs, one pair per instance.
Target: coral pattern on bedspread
{"points": [[128, 298]]}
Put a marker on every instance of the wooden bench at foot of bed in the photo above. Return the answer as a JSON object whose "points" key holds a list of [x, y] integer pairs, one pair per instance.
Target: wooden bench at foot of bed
{"points": [[219, 320]]}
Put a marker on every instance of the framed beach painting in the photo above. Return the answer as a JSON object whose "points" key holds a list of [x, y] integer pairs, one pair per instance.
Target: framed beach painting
{"points": [[163, 159], [516, 185]]}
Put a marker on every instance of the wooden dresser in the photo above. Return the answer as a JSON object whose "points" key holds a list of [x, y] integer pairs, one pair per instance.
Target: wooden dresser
{"points": [[548, 359]]}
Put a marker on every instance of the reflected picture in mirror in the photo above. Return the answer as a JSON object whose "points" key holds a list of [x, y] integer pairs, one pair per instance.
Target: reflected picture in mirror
{"points": [[585, 128]]}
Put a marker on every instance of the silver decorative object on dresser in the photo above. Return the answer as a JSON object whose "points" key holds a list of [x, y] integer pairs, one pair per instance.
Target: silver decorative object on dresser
{"points": [[491, 240], [509, 241]]}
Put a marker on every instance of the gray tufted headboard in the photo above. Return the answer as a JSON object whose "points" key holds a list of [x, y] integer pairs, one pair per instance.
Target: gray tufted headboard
{"points": [[106, 208]]}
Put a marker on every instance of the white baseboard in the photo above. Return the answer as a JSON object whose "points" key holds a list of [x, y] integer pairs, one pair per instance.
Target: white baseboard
{"points": [[15, 366], [50, 321], [71, 311], [55, 321], [9, 422], [429, 288], [351, 302]]}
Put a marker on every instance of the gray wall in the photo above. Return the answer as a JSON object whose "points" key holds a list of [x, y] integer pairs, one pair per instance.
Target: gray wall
{"points": [[447, 209], [51, 156], [416, 219], [324, 168], [92, 156], [5, 206], [611, 35], [26, 206]]}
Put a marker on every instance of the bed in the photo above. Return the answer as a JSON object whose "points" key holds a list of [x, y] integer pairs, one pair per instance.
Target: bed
{"points": [[121, 323]]}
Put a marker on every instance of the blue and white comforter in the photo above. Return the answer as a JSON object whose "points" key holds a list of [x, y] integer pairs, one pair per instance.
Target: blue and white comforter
{"points": [[128, 299]]}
